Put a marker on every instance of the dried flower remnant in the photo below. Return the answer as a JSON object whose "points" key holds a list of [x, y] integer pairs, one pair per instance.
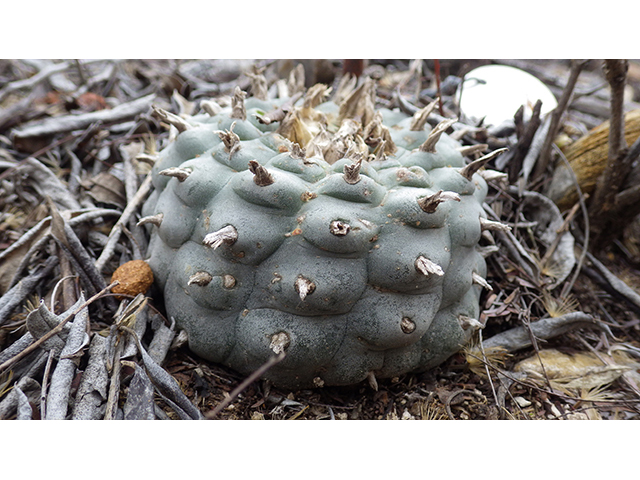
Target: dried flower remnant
{"points": [[238, 109], [279, 342], [493, 226], [478, 280], [152, 219], [339, 228], [231, 140], [419, 119]]}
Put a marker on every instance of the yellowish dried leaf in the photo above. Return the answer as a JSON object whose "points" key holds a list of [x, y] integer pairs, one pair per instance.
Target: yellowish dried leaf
{"points": [[571, 373]]}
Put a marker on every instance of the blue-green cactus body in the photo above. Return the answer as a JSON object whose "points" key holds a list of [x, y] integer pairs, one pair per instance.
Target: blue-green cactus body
{"points": [[354, 269]]}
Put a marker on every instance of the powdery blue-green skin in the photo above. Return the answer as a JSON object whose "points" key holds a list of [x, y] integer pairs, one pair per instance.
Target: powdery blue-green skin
{"points": [[366, 285]]}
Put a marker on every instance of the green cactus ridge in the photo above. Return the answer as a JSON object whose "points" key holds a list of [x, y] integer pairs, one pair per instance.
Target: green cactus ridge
{"points": [[368, 266]]}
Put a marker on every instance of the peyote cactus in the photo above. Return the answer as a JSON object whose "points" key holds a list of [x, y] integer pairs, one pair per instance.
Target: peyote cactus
{"points": [[344, 235]]}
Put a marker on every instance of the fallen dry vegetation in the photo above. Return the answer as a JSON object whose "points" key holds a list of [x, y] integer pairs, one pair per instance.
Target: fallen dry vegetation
{"points": [[561, 323]]}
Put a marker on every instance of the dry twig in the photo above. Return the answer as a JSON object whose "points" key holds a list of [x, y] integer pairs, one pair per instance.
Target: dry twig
{"points": [[543, 160], [248, 381], [618, 162]]}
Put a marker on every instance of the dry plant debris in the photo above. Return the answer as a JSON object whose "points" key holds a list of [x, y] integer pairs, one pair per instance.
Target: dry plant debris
{"points": [[560, 328]]}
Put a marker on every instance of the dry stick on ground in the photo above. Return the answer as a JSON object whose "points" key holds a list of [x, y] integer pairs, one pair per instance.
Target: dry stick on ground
{"points": [[612, 283], [45, 385], [450, 398], [618, 166], [165, 384], [114, 385], [493, 388], [67, 123], [77, 217], [518, 337], [66, 369], [33, 80], [545, 153], [116, 231]]}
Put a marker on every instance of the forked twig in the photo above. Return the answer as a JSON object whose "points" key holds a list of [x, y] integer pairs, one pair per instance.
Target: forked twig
{"points": [[248, 381], [493, 388]]}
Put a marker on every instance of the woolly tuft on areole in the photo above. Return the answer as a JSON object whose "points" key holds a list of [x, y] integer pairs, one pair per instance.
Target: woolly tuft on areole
{"points": [[346, 236]]}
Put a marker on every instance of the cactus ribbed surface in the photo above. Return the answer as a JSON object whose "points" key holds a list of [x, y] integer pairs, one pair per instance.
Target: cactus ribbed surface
{"points": [[343, 235]]}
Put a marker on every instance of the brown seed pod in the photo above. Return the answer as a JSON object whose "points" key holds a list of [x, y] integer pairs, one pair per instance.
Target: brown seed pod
{"points": [[135, 277]]}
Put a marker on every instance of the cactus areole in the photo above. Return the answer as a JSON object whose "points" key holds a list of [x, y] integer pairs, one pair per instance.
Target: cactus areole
{"points": [[343, 235]]}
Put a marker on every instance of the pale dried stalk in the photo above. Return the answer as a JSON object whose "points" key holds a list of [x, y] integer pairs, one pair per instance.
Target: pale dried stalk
{"points": [[34, 79], [114, 385], [546, 328], [67, 123], [116, 231]]}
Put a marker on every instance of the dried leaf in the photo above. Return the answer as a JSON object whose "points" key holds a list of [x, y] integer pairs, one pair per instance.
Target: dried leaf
{"points": [[545, 213], [108, 189], [59, 391], [167, 386], [139, 404], [92, 392], [10, 402], [582, 370], [24, 408], [40, 322], [12, 257]]}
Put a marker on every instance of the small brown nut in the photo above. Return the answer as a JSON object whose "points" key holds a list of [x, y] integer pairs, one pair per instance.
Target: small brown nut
{"points": [[135, 277]]}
